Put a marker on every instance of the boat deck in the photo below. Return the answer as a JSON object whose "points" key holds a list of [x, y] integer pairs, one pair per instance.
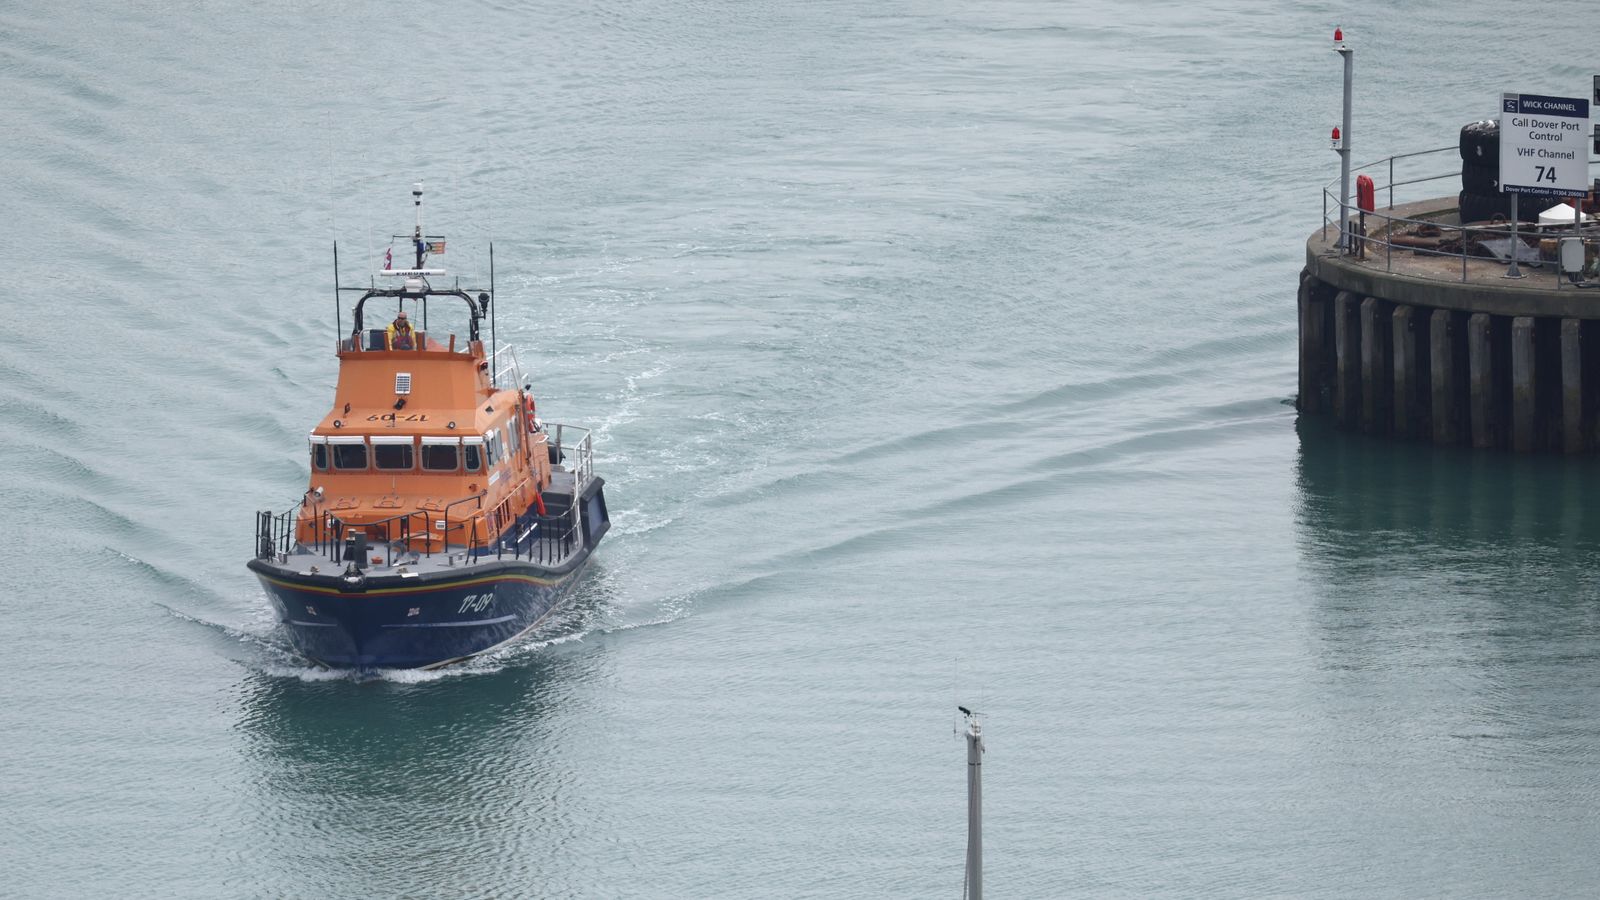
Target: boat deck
{"points": [[548, 541]]}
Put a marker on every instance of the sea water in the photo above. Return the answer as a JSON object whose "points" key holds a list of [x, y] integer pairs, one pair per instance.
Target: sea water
{"points": [[938, 353]]}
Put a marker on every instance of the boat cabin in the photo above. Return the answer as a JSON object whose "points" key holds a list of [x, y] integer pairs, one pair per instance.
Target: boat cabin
{"points": [[416, 434]]}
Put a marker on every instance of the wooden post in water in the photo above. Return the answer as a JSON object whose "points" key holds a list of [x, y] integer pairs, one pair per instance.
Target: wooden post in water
{"points": [[1313, 347], [1572, 432], [1347, 364], [1524, 386], [1446, 406], [1403, 337], [1376, 358], [1480, 373]]}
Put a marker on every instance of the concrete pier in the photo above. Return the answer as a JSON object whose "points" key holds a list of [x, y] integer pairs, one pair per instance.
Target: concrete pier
{"points": [[1403, 344]]}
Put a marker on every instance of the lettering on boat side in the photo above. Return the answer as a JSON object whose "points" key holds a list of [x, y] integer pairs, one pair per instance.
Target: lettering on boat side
{"points": [[475, 603], [389, 417], [414, 611]]}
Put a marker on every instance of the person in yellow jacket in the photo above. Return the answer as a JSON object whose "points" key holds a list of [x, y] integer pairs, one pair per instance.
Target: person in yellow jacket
{"points": [[400, 336]]}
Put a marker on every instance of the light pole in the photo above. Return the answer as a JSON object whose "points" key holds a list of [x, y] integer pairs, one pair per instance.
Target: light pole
{"points": [[974, 805], [1341, 142]]}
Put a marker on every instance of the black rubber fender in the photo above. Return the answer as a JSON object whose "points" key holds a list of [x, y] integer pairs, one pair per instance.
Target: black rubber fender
{"points": [[1477, 179], [1483, 207], [1476, 207], [1480, 143]]}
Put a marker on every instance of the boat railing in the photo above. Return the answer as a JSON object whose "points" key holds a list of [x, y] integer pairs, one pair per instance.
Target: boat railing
{"points": [[275, 535], [546, 539], [578, 442], [507, 371], [1376, 234]]}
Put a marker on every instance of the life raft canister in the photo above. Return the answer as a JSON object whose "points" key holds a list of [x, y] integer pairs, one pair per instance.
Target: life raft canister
{"points": [[1366, 193]]}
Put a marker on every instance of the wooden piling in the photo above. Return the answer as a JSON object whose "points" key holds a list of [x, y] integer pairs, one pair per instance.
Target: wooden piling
{"points": [[1347, 357], [1313, 347], [1524, 386], [1377, 389], [1480, 381], [1444, 369], [1572, 430], [1403, 338]]}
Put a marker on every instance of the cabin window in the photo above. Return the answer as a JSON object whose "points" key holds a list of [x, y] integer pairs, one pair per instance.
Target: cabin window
{"points": [[473, 457], [511, 437], [440, 457], [392, 456], [319, 457], [491, 452], [349, 456]]}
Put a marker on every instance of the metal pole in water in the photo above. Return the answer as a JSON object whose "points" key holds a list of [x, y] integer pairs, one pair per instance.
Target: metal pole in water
{"points": [[974, 889], [1344, 143]]}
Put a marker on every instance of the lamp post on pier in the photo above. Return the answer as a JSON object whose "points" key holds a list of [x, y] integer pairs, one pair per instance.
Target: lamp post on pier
{"points": [[1341, 143]]}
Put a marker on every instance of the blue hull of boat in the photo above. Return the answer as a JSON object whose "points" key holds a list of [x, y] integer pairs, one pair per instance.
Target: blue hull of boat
{"points": [[391, 625], [424, 620]]}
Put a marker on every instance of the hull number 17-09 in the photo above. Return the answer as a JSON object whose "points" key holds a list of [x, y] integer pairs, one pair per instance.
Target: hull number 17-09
{"points": [[475, 603]]}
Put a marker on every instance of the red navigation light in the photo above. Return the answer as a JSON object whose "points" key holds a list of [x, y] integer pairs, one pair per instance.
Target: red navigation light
{"points": [[1338, 35], [1336, 132]]}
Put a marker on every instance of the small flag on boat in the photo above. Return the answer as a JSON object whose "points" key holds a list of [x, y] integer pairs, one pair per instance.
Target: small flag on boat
{"points": [[388, 259], [436, 246]]}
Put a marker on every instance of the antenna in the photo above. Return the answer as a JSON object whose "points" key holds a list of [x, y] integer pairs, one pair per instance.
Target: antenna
{"points": [[494, 337], [416, 240], [338, 312]]}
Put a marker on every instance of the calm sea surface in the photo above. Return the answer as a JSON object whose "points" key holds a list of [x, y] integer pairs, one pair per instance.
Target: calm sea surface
{"points": [[939, 352]]}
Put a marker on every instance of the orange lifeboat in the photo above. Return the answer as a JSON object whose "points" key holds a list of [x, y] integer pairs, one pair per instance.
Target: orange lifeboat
{"points": [[442, 519]]}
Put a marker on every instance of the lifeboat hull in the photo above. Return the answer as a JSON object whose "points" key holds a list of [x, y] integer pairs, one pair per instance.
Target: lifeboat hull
{"points": [[415, 622]]}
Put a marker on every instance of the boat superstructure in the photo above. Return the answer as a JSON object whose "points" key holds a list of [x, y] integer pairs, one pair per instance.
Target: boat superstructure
{"points": [[442, 518]]}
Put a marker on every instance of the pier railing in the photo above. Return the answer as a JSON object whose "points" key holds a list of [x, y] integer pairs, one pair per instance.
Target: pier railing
{"points": [[1374, 233]]}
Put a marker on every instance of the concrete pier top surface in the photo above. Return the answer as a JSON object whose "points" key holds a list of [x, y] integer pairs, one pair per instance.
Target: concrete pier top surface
{"points": [[1399, 275]]}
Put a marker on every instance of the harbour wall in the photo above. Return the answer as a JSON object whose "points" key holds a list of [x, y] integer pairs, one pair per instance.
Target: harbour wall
{"points": [[1397, 346]]}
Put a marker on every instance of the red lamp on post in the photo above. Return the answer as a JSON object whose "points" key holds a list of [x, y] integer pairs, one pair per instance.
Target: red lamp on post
{"points": [[1341, 142]]}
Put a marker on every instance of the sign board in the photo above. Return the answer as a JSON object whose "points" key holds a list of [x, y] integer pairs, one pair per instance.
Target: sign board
{"points": [[1544, 145]]}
